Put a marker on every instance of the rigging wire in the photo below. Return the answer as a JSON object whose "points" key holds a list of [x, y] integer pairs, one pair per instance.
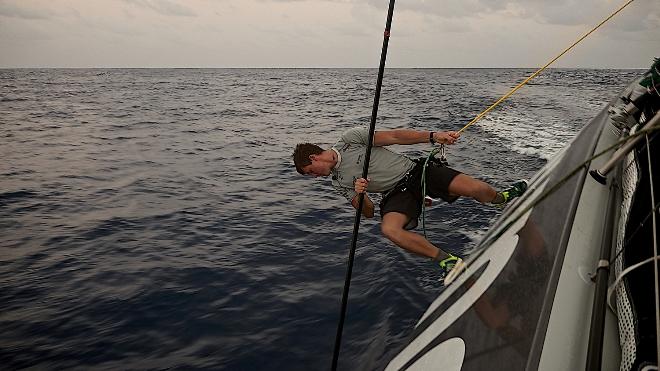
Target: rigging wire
{"points": [[654, 259], [634, 233], [554, 187], [639, 227], [655, 253], [484, 112], [510, 93]]}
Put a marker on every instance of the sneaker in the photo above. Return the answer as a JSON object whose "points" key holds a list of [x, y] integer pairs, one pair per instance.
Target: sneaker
{"points": [[449, 263], [516, 190], [459, 268]]}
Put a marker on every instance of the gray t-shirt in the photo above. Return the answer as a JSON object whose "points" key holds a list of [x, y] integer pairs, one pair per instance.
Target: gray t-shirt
{"points": [[386, 167]]}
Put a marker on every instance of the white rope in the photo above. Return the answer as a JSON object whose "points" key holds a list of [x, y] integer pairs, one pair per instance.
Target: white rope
{"points": [[613, 286]]}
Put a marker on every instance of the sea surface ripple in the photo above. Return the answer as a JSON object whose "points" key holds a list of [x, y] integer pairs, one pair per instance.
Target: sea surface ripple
{"points": [[152, 218]]}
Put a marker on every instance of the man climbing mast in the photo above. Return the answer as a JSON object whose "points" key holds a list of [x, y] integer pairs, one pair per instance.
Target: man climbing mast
{"points": [[398, 178]]}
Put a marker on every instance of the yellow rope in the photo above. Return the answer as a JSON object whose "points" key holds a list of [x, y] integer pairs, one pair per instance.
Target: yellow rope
{"points": [[482, 114]]}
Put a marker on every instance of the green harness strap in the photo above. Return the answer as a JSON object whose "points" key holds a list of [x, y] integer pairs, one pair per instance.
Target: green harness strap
{"points": [[441, 149]]}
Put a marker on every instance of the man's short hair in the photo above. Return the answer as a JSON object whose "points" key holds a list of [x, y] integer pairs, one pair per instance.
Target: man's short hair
{"points": [[301, 155]]}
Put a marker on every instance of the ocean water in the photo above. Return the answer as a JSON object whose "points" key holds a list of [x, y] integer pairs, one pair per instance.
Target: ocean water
{"points": [[152, 218]]}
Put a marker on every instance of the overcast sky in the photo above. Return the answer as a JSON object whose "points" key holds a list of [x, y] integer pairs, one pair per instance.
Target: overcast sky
{"points": [[324, 33]]}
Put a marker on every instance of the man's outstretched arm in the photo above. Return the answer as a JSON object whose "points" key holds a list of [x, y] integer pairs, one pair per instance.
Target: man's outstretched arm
{"points": [[405, 136]]}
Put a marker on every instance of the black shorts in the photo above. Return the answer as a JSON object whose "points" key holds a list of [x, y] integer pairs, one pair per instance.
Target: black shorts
{"points": [[406, 197]]}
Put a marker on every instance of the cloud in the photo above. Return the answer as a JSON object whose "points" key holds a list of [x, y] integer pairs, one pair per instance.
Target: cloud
{"points": [[640, 15], [637, 15], [15, 11], [323, 33], [164, 7]]}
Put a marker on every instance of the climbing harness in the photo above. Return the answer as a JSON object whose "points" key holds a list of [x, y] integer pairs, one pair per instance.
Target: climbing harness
{"points": [[431, 157]]}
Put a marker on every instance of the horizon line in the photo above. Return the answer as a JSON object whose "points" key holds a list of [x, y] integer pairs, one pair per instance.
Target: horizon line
{"points": [[312, 68]]}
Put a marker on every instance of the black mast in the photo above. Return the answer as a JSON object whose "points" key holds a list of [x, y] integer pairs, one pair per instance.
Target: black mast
{"points": [[365, 171]]}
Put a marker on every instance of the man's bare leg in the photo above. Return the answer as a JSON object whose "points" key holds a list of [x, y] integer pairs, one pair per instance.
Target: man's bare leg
{"points": [[464, 185], [392, 228]]}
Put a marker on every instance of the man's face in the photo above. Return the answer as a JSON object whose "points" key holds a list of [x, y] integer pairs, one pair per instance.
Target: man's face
{"points": [[317, 168]]}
